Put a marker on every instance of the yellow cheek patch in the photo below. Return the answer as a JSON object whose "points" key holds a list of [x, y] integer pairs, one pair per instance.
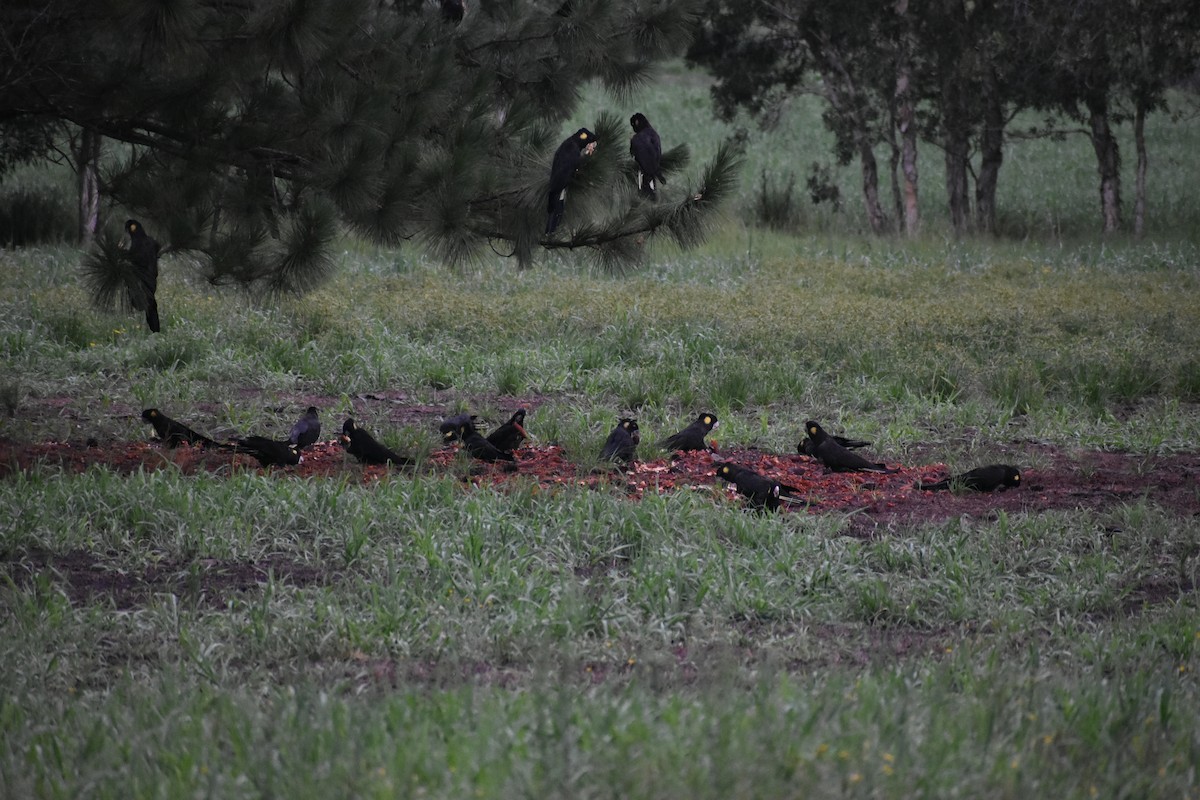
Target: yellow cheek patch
{"points": [[708, 420]]}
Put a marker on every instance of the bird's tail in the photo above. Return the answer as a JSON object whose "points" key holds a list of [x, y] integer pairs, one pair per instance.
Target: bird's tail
{"points": [[647, 186], [554, 214], [152, 315]]}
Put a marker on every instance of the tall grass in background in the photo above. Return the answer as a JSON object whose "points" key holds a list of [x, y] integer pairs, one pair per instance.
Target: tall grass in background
{"points": [[1008, 340]]}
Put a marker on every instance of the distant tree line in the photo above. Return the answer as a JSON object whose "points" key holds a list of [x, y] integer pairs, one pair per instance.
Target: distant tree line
{"points": [[953, 74], [244, 132]]}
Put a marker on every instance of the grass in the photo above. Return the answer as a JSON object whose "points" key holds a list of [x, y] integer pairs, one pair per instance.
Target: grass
{"points": [[418, 636], [242, 635], [1009, 343]]}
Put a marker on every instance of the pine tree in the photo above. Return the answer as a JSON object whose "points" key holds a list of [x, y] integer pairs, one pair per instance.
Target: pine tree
{"points": [[249, 130]]}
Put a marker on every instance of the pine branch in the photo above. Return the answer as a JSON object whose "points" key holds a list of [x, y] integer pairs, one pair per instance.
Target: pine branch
{"points": [[109, 276], [302, 261], [620, 237], [253, 129]]}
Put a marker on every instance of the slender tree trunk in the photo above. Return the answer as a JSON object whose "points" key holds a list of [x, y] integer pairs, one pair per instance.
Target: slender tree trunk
{"points": [[87, 172], [906, 124], [908, 166], [991, 149], [957, 144], [1108, 159], [894, 175], [957, 154], [870, 178], [1139, 191]]}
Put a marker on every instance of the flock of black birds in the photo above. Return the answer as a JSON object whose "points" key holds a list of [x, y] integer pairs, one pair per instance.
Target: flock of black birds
{"points": [[762, 493], [645, 147]]}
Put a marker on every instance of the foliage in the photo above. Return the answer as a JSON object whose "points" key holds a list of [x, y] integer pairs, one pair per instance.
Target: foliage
{"points": [[245, 131]]}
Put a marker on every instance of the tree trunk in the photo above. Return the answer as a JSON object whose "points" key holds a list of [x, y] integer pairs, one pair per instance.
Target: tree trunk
{"points": [[894, 175], [957, 143], [906, 124], [1108, 159], [870, 177], [87, 172], [991, 149], [908, 166], [1139, 190], [957, 154]]}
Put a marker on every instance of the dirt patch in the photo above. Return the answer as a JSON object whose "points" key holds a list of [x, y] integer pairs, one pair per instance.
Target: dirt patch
{"points": [[88, 578], [1075, 479], [876, 503]]}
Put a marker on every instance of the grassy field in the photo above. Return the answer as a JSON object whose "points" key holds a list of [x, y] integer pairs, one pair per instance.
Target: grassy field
{"points": [[249, 635]]}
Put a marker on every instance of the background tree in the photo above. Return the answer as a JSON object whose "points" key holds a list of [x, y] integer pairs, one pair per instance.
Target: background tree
{"points": [[1160, 48], [971, 65], [953, 73], [1084, 77], [244, 132], [762, 52], [904, 103]]}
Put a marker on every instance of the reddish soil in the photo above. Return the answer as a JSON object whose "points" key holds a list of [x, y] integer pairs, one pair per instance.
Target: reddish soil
{"points": [[1078, 479]]}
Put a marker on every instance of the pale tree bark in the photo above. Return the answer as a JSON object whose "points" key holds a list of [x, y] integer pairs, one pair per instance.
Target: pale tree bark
{"points": [[1108, 160], [87, 175], [1139, 190], [906, 124], [905, 121]]}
